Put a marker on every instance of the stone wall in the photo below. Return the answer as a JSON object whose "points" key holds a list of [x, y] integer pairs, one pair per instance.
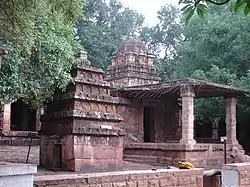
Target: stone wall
{"points": [[167, 127], [132, 121], [158, 178], [201, 155], [165, 117]]}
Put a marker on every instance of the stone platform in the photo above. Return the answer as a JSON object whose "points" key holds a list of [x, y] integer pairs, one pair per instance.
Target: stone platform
{"points": [[139, 178], [18, 154], [201, 155]]}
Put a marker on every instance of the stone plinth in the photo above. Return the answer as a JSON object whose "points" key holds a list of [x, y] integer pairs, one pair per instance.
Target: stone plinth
{"points": [[80, 129], [158, 178], [132, 65], [17, 175], [237, 174], [89, 150], [169, 154]]}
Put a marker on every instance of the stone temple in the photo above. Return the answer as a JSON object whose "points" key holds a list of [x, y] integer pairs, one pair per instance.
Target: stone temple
{"points": [[132, 65], [126, 114]]}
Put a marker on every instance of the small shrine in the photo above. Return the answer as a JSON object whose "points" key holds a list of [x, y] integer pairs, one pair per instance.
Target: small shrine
{"points": [[80, 128]]}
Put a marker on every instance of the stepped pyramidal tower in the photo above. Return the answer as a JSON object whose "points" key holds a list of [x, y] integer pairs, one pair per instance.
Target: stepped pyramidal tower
{"points": [[132, 65], [80, 128]]}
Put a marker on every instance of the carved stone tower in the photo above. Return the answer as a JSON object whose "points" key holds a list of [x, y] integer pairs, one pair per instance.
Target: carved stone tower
{"points": [[132, 65], [80, 128]]}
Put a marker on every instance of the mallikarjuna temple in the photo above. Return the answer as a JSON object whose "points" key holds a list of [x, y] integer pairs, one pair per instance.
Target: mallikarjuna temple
{"points": [[125, 115]]}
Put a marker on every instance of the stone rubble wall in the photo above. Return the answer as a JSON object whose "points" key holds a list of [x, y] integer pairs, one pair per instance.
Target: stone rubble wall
{"points": [[149, 178]]}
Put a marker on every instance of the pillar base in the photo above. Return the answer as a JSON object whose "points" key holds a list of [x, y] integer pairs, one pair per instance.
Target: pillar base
{"points": [[233, 142], [187, 142]]}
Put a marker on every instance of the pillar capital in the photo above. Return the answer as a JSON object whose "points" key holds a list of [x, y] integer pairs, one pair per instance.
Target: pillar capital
{"points": [[232, 100], [187, 91]]}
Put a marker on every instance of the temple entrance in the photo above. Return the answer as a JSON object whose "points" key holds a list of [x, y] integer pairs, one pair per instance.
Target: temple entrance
{"points": [[22, 117], [148, 124]]}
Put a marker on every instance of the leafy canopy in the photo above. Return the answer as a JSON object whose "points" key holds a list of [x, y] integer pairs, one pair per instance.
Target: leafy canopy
{"points": [[108, 23], [39, 36], [163, 39], [200, 6], [217, 50]]}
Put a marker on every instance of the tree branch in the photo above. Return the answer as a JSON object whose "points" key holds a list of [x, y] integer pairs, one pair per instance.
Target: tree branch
{"points": [[222, 3]]}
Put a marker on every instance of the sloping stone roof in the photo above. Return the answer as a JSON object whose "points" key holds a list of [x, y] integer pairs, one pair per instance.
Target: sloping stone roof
{"points": [[201, 88]]}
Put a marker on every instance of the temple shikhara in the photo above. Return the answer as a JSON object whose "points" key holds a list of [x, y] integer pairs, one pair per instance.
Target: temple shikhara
{"points": [[125, 114]]}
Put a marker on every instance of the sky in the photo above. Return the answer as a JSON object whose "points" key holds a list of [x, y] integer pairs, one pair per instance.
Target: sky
{"points": [[148, 8]]}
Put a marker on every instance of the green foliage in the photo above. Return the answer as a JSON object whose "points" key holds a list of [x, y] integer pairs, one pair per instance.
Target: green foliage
{"points": [[163, 40], [212, 108], [200, 6], [220, 40], [39, 36], [108, 23], [216, 49]]}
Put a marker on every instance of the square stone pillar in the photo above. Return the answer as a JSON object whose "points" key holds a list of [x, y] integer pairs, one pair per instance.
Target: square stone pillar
{"points": [[215, 129], [5, 117], [38, 116], [231, 120], [187, 119]]}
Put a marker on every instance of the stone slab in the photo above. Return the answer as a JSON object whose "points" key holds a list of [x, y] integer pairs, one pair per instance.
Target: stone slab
{"points": [[16, 175], [160, 178], [8, 169]]}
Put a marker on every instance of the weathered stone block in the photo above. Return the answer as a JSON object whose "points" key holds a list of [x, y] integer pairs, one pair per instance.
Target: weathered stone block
{"points": [[17, 175], [120, 184]]}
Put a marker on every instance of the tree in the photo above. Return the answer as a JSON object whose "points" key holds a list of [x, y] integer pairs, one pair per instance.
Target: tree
{"points": [[220, 40], [39, 36], [108, 23], [200, 6], [163, 40]]}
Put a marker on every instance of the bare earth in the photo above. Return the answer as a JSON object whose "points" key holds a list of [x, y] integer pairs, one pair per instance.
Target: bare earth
{"points": [[18, 154]]}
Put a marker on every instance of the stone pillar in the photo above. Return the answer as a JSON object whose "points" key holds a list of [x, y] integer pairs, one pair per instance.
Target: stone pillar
{"points": [[38, 116], [215, 129], [6, 117], [140, 124], [187, 135], [231, 120]]}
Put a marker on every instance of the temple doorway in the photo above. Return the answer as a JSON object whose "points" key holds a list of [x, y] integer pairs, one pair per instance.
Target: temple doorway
{"points": [[22, 117], [148, 124]]}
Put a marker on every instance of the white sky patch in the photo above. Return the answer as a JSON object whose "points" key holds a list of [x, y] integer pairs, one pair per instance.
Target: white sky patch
{"points": [[148, 8]]}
